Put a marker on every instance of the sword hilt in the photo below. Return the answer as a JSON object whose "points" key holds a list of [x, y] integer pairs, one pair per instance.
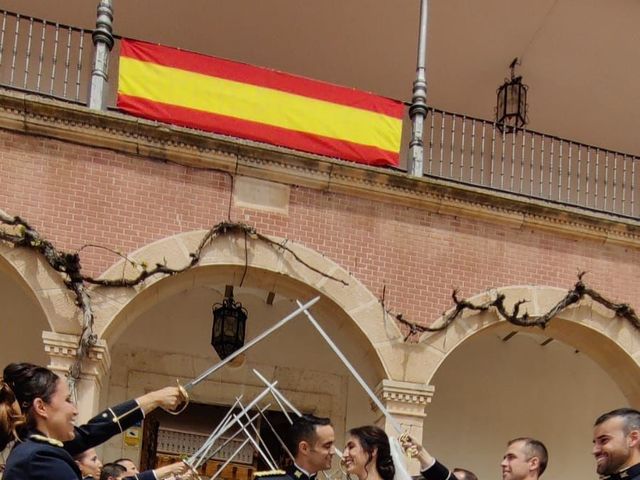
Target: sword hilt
{"points": [[411, 450], [193, 473], [184, 402]]}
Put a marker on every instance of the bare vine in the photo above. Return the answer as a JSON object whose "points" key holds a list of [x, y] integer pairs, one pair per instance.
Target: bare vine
{"points": [[68, 265], [573, 296]]}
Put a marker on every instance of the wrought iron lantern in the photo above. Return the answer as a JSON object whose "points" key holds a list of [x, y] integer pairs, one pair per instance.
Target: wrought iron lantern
{"points": [[229, 321], [511, 109]]}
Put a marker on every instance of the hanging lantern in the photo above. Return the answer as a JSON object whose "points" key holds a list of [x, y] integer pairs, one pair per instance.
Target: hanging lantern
{"points": [[229, 321], [511, 109]]}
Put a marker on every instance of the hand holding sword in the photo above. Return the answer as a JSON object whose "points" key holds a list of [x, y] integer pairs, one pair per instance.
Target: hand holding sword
{"points": [[413, 449], [167, 398]]}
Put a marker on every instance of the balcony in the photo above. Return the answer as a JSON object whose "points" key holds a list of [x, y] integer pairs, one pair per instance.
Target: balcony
{"points": [[55, 61]]}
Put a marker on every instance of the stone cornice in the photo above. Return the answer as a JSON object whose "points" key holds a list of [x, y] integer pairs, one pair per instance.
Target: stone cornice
{"points": [[404, 398], [36, 115]]}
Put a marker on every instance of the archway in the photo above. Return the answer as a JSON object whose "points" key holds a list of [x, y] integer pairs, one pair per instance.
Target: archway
{"points": [[162, 330], [495, 382], [23, 317], [29, 272]]}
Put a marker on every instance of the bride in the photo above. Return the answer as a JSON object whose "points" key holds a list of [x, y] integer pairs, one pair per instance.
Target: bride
{"points": [[367, 454]]}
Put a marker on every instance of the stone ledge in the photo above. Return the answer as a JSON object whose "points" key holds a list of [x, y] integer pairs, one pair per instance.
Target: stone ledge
{"points": [[35, 115]]}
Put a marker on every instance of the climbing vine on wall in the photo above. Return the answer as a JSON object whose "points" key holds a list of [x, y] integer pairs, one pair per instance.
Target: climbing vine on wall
{"points": [[21, 234], [573, 296]]}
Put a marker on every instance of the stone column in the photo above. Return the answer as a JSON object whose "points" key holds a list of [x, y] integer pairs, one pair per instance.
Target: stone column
{"points": [[61, 349], [407, 402], [103, 43]]}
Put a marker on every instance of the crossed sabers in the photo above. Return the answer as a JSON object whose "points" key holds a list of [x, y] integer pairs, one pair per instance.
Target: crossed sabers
{"points": [[245, 424]]}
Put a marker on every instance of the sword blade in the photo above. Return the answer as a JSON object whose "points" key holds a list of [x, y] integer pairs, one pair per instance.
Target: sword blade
{"points": [[247, 346], [278, 396], [353, 371], [228, 460]]}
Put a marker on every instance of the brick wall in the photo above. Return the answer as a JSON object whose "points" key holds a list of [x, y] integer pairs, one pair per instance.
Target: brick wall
{"points": [[75, 195]]}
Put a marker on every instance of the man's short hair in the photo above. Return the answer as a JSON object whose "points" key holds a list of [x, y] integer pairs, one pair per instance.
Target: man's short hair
{"points": [[534, 448], [464, 474], [304, 429], [630, 417], [113, 470]]}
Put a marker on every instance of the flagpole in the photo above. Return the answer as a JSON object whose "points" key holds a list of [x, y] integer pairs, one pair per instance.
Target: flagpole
{"points": [[418, 108]]}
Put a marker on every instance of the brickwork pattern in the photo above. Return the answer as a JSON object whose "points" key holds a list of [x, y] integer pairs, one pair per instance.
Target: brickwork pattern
{"points": [[76, 195]]}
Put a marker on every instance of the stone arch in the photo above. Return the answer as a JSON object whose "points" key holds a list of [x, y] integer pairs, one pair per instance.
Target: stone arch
{"points": [[44, 286], [612, 343], [266, 267]]}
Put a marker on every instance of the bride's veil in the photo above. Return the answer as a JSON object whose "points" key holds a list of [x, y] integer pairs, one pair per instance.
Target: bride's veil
{"points": [[399, 460]]}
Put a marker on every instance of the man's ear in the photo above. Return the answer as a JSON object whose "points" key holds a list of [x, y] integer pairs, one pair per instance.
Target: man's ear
{"points": [[39, 406], [633, 438], [534, 464], [304, 447]]}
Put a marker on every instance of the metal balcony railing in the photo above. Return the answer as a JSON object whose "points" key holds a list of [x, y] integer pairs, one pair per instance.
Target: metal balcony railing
{"points": [[477, 152], [55, 60], [46, 58]]}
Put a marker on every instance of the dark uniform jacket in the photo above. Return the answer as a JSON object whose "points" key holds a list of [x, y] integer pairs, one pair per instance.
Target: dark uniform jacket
{"points": [[631, 473], [38, 457], [291, 473], [437, 471]]}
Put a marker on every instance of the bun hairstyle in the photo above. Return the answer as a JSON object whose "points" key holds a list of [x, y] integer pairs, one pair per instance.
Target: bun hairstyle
{"points": [[11, 417], [374, 439], [21, 384]]}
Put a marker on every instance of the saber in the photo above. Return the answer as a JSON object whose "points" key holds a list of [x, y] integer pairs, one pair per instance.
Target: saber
{"points": [[353, 371], [218, 432], [255, 444], [228, 461], [260, 441], [278, 396], [206, 445], [273, 430], [211, 450], [184, 389]]}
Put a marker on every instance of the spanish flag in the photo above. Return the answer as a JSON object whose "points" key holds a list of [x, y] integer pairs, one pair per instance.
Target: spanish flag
{"points": [[245, 101]]}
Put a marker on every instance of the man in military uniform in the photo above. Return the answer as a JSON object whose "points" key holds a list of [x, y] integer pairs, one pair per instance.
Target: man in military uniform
{"points": [[616, 444], [311, 443], [525, 459]]}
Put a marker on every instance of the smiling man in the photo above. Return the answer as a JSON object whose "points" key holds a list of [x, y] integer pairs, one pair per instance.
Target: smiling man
{"points": [[525, 459], [616, 444], [311, 443]]}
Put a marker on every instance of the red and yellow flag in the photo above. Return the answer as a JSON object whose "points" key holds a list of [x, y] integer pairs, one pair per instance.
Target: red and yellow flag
{"points": [[241, 100]]}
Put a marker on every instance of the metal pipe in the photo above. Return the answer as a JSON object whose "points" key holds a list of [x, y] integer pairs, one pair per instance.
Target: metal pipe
{"points": [[418, 108], [103, 41]]}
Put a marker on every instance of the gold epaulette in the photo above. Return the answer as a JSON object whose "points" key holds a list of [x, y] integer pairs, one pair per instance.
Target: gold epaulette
{"points": [[269, 473], [50, 441]]}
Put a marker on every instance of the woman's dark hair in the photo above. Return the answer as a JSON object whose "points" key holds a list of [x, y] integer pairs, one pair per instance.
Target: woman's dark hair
{"points": [[21, 384], [371, 439]]}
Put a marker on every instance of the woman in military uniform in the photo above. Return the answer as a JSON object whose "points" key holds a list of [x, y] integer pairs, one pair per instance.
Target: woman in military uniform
{"points": [[37, 412]]}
